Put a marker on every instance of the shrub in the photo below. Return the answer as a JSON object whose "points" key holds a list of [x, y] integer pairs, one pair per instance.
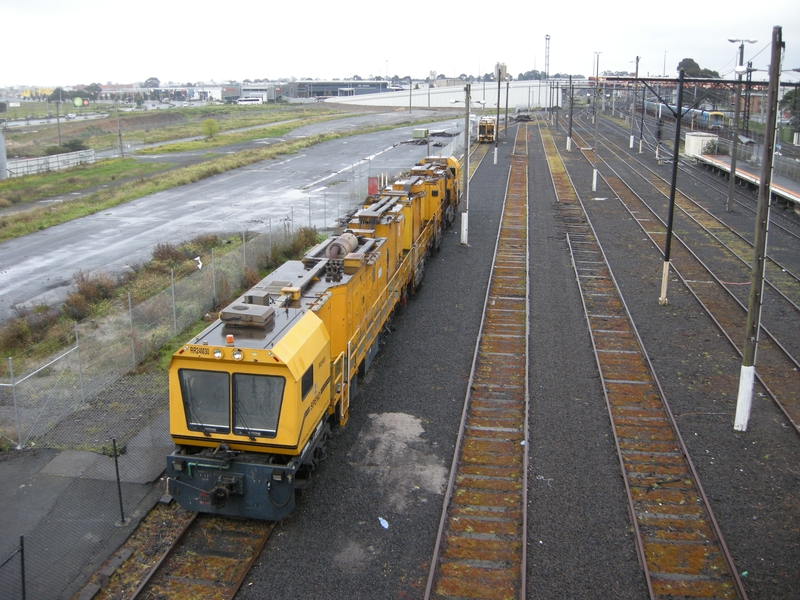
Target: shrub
{"points": [[205, 241], [251, 277], [40, 321], [14, 334], [168, 253], [74, 145], [94, 287], [76, 307]]}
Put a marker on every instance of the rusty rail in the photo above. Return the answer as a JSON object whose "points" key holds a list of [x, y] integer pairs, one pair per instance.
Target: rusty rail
{"points": [[209, 559], [679, 543], [481, 545]]}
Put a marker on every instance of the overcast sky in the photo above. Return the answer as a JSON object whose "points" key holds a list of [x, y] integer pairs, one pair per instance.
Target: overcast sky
{"points": [[69, 42]]}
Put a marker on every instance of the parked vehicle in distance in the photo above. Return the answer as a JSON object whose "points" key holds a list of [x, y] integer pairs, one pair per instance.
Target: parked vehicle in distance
{"points": [[250, 101]]}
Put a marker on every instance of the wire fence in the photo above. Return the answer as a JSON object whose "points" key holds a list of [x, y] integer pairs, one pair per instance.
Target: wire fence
{"points": [[28, 166], [83, 395]]}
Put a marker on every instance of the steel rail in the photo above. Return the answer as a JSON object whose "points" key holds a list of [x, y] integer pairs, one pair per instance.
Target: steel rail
{"points": [[202, 571], [684, 552], [480, 549], [779, 369]]}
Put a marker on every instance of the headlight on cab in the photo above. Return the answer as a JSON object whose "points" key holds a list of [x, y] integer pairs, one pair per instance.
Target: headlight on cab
{"points": [[217, 353], [238, 354]]}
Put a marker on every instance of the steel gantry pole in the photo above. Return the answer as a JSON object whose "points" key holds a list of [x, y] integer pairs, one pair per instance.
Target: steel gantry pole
{"points": [[668, 245], [464, 215], [633, 104], [736, 109], [747, 374], [569, 136], [499, 76], [596, 119]]}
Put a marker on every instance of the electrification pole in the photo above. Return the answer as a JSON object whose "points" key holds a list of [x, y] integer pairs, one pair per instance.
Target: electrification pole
{"points": [[464, 215], [633, 104], [747, 374], [596, 119], [736, 108], [668, 245], [569, 136]]}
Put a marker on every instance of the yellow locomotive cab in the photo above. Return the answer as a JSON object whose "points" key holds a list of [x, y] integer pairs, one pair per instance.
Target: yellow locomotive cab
{"points": [[239, 393]]}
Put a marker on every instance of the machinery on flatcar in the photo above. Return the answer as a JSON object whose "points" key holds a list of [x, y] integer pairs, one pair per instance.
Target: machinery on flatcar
{"points": [[486, 129], [253, 396], [694, 117]]}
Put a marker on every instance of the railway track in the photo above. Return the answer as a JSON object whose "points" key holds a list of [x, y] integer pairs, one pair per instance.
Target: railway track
{"points": [[778, 370], [779, 277], [679, 544], [480, 549], [209, 559], [783, 223]]}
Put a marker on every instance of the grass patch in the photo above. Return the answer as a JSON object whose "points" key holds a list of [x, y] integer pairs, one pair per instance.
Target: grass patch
{"points": [[29, 188], [154, 126], [230, 138]]}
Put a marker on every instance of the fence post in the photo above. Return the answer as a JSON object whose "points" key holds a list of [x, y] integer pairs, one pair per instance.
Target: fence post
{"points": [[269, 220], [174, 310], [213, 281], [80, 365], [133, 342], [22, 562], [309, 212], [119, 485], [324, 209], [14, 398]]}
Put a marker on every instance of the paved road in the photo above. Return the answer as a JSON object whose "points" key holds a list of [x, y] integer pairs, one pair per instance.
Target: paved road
{"points": [[39, 267]]}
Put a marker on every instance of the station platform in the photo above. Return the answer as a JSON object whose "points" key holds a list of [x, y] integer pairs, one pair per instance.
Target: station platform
{"points": [[782, 187]]}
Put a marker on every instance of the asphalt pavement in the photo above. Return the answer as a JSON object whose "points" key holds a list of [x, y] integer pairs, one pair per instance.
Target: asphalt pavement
{"points": [[310, 187]]}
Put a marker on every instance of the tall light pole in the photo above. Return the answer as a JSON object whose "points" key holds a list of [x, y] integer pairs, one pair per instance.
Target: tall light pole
{"points": [[547, 56], [596, 118], [732, 182], [119, 131], [665, 63]]}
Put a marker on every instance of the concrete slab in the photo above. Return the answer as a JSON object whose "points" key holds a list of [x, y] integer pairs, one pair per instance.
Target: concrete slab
{"points": [[70, 463]]}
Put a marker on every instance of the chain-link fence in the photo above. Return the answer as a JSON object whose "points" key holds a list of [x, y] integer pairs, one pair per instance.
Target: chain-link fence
{"points": [[82, 393], [28, 166]]}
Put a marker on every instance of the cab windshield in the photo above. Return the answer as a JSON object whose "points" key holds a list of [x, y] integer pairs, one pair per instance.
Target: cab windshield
{"points": [[256, 404], [206, 400]]}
